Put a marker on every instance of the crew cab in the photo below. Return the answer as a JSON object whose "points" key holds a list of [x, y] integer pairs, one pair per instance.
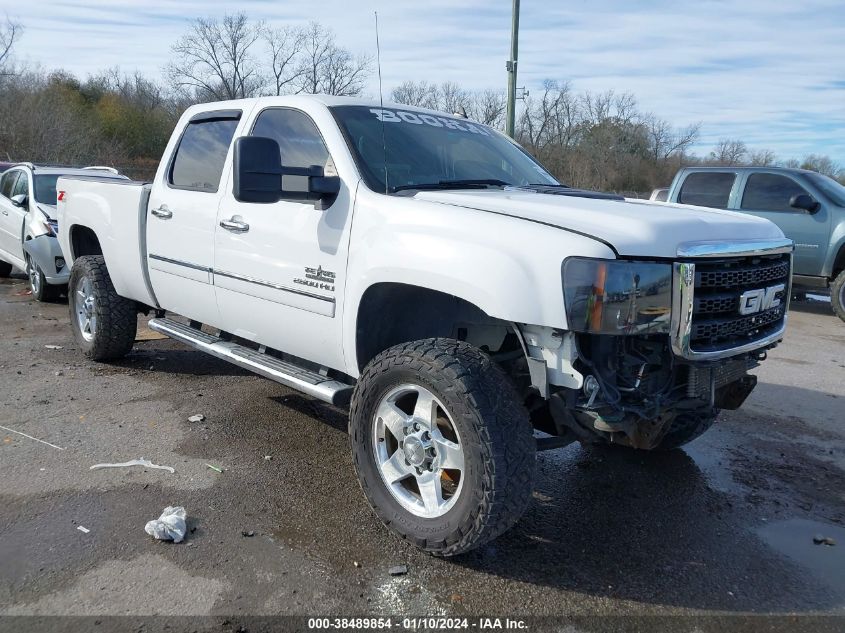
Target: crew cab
{"points": [[28, 225], [808, 207], [425, 270]]}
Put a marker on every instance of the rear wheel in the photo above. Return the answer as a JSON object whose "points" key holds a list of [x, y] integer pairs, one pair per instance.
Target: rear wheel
{"points": [[837, 295], [442, 445], [104, 323], [5, 269]]}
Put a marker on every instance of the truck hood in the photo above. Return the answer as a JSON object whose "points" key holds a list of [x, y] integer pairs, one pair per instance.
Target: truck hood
{"points": [[634, 228]]}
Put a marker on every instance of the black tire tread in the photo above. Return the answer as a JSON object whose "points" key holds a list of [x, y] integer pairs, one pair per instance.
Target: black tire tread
{"points": [[835, 293], [117, 317], [507, 444]]}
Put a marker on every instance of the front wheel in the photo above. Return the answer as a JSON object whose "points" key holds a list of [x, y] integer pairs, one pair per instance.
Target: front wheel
{"points": [[837, 295], [5, 269], [442, 445], [104, 323], [41, 290]]}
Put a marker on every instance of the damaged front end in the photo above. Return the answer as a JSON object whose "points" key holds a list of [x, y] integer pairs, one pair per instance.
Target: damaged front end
{"points": [[46, 252], [652, 343]]}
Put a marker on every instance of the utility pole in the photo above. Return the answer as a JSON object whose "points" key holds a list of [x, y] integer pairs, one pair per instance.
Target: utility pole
{"points": [[511, 66]]}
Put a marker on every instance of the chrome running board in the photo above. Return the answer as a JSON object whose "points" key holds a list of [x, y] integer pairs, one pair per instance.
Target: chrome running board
{"points": [[309, 382]]}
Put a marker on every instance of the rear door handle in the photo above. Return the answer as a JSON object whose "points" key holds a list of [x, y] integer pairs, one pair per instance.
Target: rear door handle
{"points": [[235, 226], [162, 212]]}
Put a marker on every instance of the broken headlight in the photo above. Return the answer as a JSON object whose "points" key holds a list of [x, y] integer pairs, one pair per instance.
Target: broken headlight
{"points": [[614, 296]]}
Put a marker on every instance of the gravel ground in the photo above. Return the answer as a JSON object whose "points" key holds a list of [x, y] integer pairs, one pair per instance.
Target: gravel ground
{"points": [[724, 526]]}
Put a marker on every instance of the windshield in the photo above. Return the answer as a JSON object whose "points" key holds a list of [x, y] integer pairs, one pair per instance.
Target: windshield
{"points": [[829, 187], [435, 150], [45, 188]]}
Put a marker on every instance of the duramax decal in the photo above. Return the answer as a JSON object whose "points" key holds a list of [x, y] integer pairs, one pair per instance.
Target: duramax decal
{"points": [[317, 278]]}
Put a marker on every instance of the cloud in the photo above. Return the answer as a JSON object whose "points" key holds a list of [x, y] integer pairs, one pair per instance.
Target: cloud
{"points": [[769, 73]]}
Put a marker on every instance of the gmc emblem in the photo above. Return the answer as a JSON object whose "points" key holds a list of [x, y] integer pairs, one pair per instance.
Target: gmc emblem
{"points": [[754, 301]]}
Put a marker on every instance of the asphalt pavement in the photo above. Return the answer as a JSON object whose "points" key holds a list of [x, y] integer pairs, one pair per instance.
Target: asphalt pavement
{"points": [[726, 525]]}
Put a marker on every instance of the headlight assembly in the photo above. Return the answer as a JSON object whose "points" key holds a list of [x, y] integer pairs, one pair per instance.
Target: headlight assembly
{"points": [[616, 296]]}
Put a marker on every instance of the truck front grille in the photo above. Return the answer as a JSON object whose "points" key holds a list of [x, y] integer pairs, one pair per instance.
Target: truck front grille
{"points": [[731, 305]]}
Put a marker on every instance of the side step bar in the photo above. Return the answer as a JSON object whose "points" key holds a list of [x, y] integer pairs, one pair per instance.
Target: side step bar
{"points": [[304, 380]]}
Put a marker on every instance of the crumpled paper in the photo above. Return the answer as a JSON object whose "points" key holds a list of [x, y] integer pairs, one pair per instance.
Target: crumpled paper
{"points": [[170, 526]]}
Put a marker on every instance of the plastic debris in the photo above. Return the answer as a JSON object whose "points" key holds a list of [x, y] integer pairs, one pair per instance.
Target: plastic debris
{"points": [[199, 417], [82, 529], [170, 526], [819, 539], [135, 462], [248, 533], [214, 468], [54, 347], [398, 570]]}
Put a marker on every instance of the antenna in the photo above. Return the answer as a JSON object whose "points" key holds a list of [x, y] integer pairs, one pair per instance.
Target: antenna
{"points": [[381, 102]]}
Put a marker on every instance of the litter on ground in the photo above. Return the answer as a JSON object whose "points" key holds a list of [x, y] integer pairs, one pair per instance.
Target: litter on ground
{"points": [[82, 529], [170, 526], [135, 462], [54, 347], [5, 428], [214, 468], [199, 417]]}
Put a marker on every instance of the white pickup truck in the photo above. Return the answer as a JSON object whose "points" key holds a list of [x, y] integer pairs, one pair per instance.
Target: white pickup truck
{"points": [[427, 271]]}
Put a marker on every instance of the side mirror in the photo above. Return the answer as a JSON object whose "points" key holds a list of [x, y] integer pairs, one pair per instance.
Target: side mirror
{"points": [[21, 200], [258, 170], [804, 202]]}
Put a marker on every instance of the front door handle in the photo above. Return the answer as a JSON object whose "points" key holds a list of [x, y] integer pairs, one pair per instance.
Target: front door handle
{"points": [[162, 212], [235, 226]]}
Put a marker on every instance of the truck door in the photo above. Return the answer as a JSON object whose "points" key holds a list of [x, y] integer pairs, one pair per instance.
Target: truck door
{"points": [[767, 195], [279, 269], [182, 217]]}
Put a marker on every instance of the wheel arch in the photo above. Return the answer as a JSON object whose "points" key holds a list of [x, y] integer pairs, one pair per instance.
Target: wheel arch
{"points": [[391, 313], [83, 241]]}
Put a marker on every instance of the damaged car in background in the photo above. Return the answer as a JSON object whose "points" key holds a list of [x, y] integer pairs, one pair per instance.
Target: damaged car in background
{"points": [[426, 270], [28, 225]]}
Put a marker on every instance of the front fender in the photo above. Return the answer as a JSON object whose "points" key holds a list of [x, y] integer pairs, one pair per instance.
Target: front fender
{"points": [[508, 267], [837, 244]]}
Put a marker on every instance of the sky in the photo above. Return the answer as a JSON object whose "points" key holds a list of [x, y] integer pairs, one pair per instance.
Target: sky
{"points": [[769, 72]]}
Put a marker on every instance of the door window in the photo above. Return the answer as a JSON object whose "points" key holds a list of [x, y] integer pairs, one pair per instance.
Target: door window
{"points": [[300, 143], [21, 186], [198, 163], [770, 192], [7, 183], [707, 189]]}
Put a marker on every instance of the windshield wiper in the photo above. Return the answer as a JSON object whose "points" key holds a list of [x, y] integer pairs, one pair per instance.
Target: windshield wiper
{"points": [[454, 184]]}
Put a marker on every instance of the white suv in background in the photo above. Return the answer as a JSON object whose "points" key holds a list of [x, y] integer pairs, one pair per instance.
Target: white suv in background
{"points": [[28, 227]]}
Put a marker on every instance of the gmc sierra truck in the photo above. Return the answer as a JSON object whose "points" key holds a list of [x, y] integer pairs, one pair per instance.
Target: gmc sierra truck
{"points": [[426, 271]]}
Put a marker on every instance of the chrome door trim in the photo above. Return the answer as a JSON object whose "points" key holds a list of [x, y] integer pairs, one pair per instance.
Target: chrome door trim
{"points": [[179, 262], [268, 284]]}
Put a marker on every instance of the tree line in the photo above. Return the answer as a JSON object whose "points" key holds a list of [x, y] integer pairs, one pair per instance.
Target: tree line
{"points": [[592, 140]]}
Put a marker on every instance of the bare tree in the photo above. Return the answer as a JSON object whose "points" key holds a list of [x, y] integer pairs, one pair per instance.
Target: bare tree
{"points": [[762, 158], [10, 33], [488, 107], [416, 93], [285, 45], [822, 164], [326, 67], [664, 140], [729, 152], [214, 59]]}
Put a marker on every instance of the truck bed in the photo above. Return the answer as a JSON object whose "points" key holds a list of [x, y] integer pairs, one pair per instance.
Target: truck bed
{"points": [[103, 205]]}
